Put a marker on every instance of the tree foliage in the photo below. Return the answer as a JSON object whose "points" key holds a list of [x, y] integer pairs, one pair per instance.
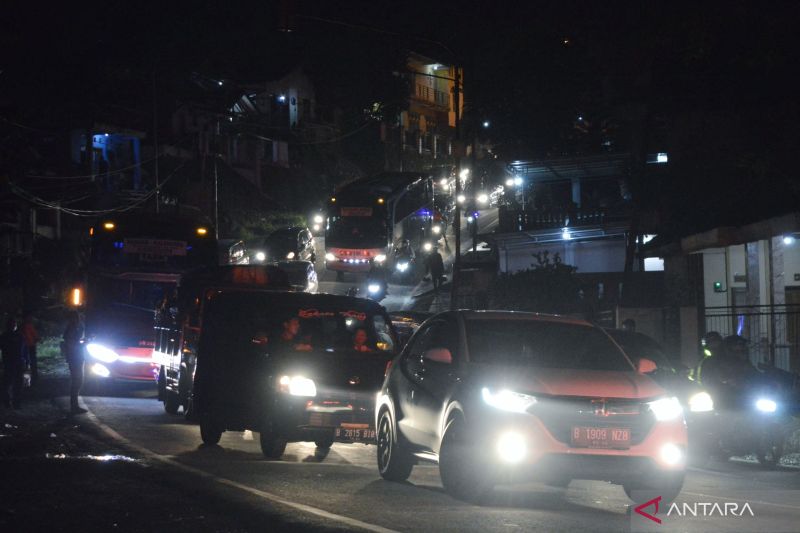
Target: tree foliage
{"points": [[549, 286]]}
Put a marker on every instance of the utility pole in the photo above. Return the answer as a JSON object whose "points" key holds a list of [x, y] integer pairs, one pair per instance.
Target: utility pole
{"points": [[155, 141], [457, 212], [216, 182]]}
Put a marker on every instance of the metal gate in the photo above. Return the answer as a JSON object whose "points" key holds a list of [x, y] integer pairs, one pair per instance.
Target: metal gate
{"points": [[773, 331]]}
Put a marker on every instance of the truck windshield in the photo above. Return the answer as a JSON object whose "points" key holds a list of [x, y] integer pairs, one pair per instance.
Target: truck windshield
{"points": [[543, 344]]}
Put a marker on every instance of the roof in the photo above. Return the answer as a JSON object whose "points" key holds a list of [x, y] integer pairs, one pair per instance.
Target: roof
{"points": [[572, 168], [385, 183], [521, 315]]}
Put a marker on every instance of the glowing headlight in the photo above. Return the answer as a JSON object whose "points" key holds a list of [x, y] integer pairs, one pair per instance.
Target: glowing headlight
{"points": [[100, 370], [483, 198], [297, 386], [101, 353], [766, 405], [290, 255], [506, 400], [427, 247], [261, 256], [402, 267], [317, 227], [701, 402], [330, 257], [437, 230], [373, 288], [511, 447], [666, 409], [671, 454], [318, 219], [380, 258]]}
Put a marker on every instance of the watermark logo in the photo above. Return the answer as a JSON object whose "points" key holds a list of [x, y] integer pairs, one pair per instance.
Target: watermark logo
{"points": [[640, 509]]}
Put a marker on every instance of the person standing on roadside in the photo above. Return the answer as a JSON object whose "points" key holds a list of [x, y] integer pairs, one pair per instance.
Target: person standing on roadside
{"points": [[30, 339], [13, 364], [73, 353], [436, 268]]}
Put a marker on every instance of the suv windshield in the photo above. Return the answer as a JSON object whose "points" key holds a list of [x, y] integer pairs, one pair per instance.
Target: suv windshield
{"points": [[543, 344], [278, 322]]}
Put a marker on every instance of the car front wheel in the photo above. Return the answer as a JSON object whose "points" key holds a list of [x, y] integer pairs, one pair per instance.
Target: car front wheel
{"points": [[666, 485], [463, 474], [394, 463]]}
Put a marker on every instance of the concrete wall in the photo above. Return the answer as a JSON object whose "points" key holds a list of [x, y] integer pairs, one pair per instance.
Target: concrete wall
{"points": [[714, 269]]}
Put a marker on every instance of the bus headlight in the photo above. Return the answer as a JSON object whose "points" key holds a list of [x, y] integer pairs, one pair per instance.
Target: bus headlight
{"points": [[330, 257], [297, 386], [102, 353]]}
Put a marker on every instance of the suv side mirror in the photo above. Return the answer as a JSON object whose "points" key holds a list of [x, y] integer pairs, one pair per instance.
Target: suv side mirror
{"points": [[645, 366], [438, 355]]}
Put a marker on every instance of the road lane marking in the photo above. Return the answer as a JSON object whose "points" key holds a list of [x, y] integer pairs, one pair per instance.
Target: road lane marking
{"points": [[352, 522]]}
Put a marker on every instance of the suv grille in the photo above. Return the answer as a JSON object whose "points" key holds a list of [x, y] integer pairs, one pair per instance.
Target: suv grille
{"points": [[559, 415]]}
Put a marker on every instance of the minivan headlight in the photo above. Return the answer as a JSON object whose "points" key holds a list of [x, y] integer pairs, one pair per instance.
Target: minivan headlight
{"points": [[666, 408], [506, 400], [297, 386]]}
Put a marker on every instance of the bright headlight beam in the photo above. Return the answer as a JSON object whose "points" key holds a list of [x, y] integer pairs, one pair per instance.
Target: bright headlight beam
{"points": [[318, 219], [511, 447], [666, 409], [261, 256], [290, 255], [701, 402], [380, 258], [507, 400], [330, 257], [766, 405], [102, 353], [298, 386], [100, 370], [373, 288]]}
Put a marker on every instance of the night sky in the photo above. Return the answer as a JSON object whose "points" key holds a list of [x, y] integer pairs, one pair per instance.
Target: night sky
{"points": [[715, 82]]}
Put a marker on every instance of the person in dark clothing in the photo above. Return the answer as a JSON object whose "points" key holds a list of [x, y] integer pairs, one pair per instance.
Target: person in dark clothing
{"points": [[30, 339], [728, 370], [13, 349], [435, 266], [73, 353]]}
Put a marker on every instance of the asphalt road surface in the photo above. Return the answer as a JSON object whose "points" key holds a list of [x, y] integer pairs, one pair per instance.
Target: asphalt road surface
{"points": [[343, 488]]}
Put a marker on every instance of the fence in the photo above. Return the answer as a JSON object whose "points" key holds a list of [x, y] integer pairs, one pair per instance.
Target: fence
{"points": [[772, 330]]}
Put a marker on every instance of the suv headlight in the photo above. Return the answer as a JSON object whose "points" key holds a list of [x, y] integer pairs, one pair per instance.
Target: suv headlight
{"points": [[102, 353], [701, 402], [666, 409], [297, 386], [507, 400]]}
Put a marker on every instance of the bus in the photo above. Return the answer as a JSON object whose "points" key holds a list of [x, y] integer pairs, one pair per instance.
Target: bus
{"points": [[135, 264], [369, 217], [178, 325]]}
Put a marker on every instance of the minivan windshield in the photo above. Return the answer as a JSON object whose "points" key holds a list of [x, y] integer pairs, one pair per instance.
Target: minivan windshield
{"points": [[294, 322], [543, 344]]}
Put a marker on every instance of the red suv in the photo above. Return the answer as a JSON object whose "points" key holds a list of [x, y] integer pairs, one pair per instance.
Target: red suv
{"points": [[499, 397]]}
